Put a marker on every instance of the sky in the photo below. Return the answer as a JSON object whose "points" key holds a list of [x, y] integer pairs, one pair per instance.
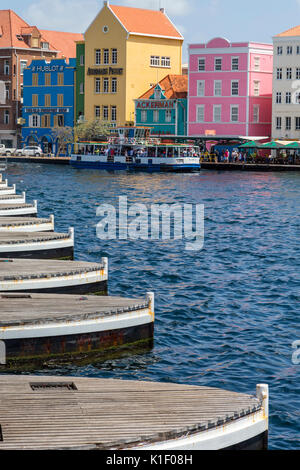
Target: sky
{"points": [[197, 20]]}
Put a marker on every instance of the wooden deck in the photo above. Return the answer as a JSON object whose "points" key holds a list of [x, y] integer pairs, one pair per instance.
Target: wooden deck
{"points": [[21, 275], [40, 328], [39, 413], [17, 238], [9, 224]]}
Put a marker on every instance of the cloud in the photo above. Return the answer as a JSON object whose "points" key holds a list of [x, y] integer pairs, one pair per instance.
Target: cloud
{"points": [[62, 15]]}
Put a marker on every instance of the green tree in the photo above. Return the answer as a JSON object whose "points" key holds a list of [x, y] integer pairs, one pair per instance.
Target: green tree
{"points": [[63, 136], [92, 130]]}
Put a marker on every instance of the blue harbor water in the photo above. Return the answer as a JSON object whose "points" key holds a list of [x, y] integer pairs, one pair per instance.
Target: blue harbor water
{"points": [[226, 316]]}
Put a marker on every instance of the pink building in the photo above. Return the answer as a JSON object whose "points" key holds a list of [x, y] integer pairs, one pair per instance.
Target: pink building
{"points": [[230, 89]]}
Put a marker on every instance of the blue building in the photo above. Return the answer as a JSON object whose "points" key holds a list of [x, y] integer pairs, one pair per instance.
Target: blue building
{"points": [[164, 107], [48, 102]]}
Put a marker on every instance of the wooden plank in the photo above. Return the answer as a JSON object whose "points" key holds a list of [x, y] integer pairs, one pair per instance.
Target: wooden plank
{"points": [[108, 413]]}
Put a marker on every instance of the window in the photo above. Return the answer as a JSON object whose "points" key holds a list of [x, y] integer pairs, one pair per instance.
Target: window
{"points": [[81, 60], [297, 73], [257, 64], [217, 88], [168, 117], [105, 85], [60, 100], [34, 121], [279, 73], [297, 123], [114, 56], [97, 85], [155, 116], [47, 101], [154, 61], [47, 120], [144, 116], [35, 79], [97, 56], [278, 123], [201, 65], [60, 79], [288, 123], [45, 45], [218, 64], [166, 62], [114, 113], [234, 113], [7, 91], [234, 88], [105, 113], [200, 113], [97, 112], [234, 63], [35, 100], [6, 116], [256, 114], [114, 85], [60, 120], [288, 97], [200, 88], [6, 67], [157, 94], [298, 50], [297, 98], [289, 73], [106, 56], [256, 88], [217, 113], [23, 65], [81, 88], [278, 97], [289, 50], [47, 79], [279, 50]]}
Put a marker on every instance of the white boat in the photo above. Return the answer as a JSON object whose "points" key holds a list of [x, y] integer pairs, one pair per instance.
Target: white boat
{"points": [[133, 149]]}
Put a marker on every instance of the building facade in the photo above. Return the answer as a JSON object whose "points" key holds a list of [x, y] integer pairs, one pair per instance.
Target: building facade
{"points": [[80, 81], [230, 89], [286, 85], [49, 97], [164, 107], [127, 50], [21, 43]]}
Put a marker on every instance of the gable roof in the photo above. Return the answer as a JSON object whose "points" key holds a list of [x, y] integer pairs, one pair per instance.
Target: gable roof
{"points": [[14, 30], [139, 21], [63, 42], [173, 86], [295, 31]]}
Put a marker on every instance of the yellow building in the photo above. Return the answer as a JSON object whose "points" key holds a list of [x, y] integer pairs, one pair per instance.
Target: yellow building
{"points": [[127, 50]]}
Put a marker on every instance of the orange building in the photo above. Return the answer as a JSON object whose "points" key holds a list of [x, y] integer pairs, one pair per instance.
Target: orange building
{"points": [[20, 43]]}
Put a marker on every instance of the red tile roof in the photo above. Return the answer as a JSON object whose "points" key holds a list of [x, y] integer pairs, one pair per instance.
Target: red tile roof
{"points": [[173, 86], [13, 29], [290, 32], [65, 43], [146, 22]]}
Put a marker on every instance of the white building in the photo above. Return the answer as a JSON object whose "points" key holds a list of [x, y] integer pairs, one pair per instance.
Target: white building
{"points": [[286, 85]]}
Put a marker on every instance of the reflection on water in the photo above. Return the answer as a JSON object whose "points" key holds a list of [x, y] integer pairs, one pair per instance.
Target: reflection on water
{"points": [[226, 316]]}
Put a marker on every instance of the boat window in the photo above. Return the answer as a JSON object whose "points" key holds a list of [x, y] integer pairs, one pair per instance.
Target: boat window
{"points": [[170, 152]]}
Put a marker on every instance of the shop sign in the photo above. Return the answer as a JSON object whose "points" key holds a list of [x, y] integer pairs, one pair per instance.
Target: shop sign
{"points": [[47, 110], [105, 71], [151, 104]]}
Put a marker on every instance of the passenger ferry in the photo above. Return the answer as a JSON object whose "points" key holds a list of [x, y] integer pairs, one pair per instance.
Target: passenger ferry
{"points": [[132, 148]]}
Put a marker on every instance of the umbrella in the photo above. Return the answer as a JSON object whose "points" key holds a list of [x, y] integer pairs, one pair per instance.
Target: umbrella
{"points": [[250, 145], [293, 145], [273, 145]]}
